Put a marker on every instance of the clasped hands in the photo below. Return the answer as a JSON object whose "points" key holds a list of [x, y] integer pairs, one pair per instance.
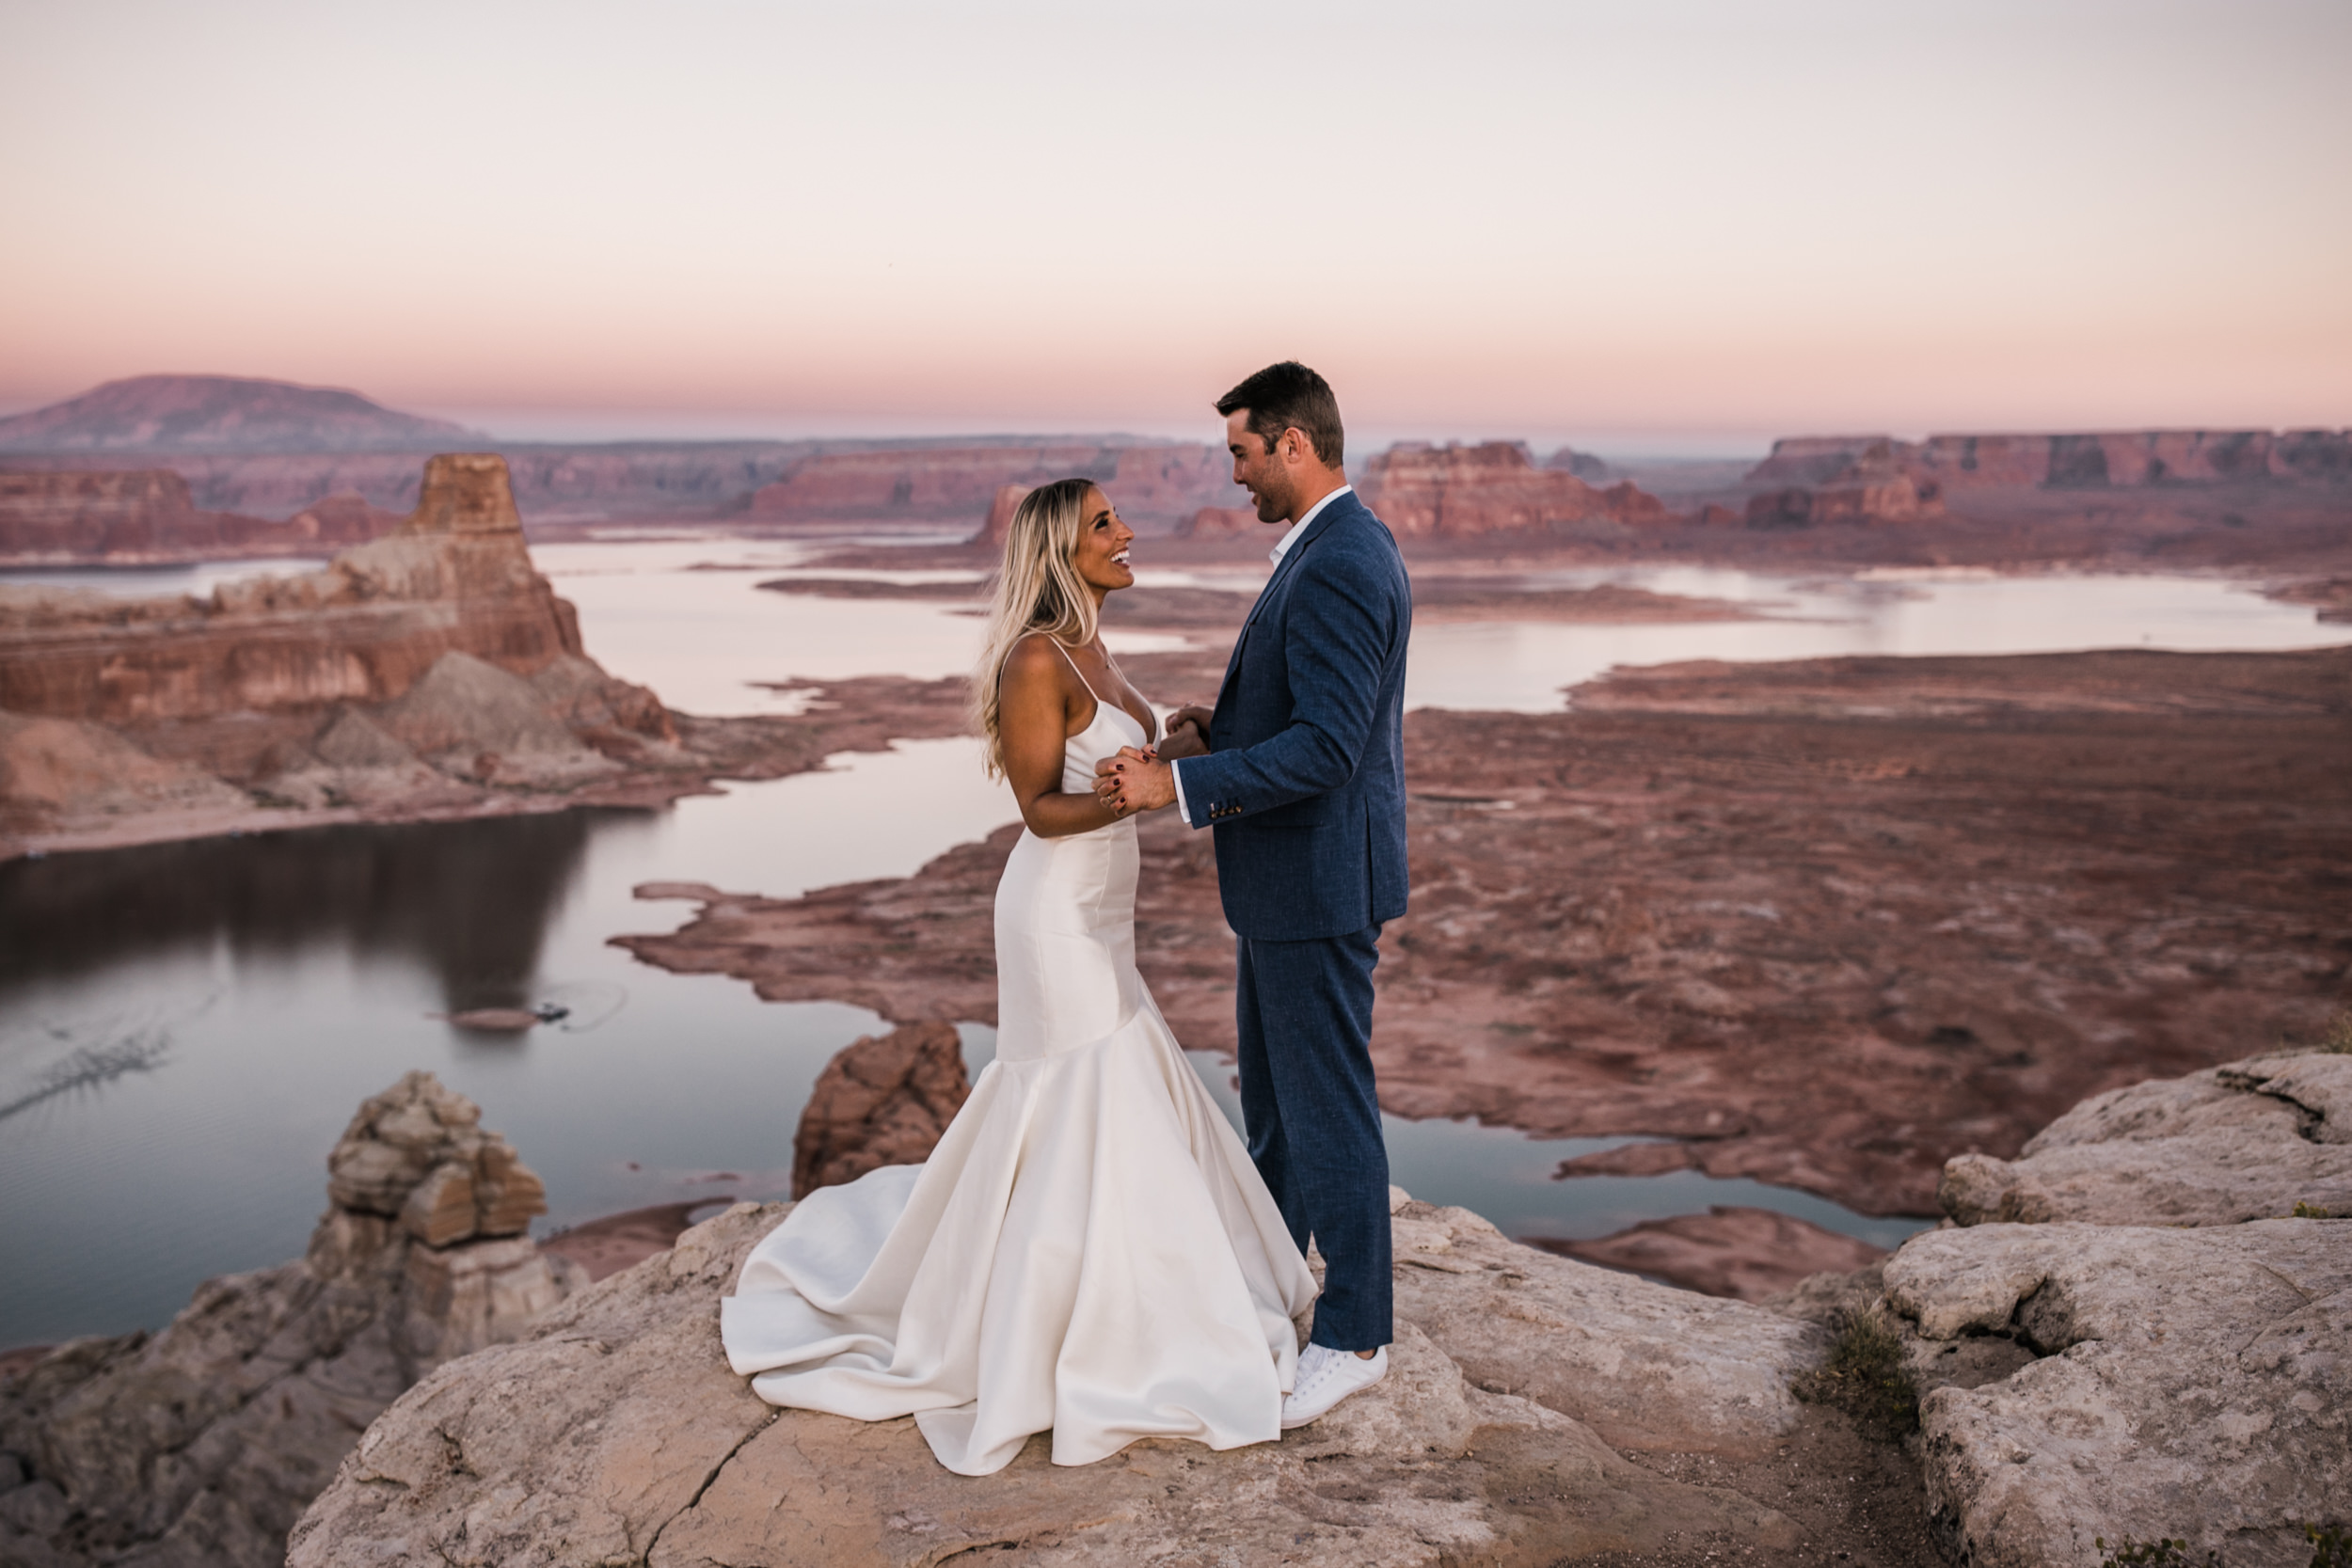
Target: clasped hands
{"points": [[1140, 778]]}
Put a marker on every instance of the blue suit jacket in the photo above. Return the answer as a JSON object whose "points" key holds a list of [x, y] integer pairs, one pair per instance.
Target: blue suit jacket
{"points": [[1305, 779]]}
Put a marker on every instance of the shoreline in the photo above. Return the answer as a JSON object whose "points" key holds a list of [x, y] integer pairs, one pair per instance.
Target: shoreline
{"points": [[1823, 924]]}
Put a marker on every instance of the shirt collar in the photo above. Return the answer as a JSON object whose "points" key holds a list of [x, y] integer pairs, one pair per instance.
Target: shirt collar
{"points": [[1282, 546]]}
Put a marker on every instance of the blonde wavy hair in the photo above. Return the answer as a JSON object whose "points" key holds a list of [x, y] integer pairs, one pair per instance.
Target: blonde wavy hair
{"points": [[1037, 588]]}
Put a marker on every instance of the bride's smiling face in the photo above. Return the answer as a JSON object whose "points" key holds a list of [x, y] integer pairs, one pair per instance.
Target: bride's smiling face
{"points": [[1100, 559]]}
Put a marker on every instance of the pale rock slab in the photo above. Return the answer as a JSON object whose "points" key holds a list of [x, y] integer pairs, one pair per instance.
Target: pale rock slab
{"points": [[2189, 1382], [2245, 1141], [617, 1434], [1645, 1366]]}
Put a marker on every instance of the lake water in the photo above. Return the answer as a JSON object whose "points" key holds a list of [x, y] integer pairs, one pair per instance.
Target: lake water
{"points": [[184, 1028]]}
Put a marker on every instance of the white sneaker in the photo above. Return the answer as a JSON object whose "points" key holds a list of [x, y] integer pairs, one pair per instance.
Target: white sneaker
{"points": [[1326, 1376]]}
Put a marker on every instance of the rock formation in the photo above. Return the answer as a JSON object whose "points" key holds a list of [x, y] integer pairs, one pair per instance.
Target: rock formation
{"points": [[1867, 487], [146, 516], [201, 1443], [2118, 459], [1151, 485], [199, 413], [616, 1432], [883, 1100], [2182, 1333], [432, 658], [2246, 1141], [1221, 522], [999, 522], [1454, 492]]}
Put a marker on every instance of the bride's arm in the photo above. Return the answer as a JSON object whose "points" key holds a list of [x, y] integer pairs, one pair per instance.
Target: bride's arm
{"points": [[1033, 714]]}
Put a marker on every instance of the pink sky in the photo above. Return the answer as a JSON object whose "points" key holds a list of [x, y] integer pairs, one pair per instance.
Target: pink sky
{"points": [[1684, 221]]}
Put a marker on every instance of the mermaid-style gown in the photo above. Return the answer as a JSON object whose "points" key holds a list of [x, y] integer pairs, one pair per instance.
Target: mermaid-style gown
{"points": [[1089, 1250]]}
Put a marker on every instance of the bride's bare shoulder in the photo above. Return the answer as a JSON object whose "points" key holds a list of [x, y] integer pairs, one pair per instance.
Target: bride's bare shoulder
{"points": [[1034, 661]]}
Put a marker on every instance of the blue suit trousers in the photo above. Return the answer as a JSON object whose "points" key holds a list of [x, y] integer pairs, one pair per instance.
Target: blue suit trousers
{"points": [[1313, 1119]]}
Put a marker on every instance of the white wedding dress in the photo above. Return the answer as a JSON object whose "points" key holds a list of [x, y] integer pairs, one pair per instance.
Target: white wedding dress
{"points": [[1089, 1250]]}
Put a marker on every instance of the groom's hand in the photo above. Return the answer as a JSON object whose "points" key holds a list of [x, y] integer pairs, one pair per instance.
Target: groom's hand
{"points": [[1197, 717], [1135, 781], [1185, 738]]}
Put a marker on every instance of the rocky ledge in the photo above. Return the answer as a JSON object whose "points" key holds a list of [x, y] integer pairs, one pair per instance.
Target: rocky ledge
{"points": [[2181, 1303], [201, 1443], [617, 1434]]}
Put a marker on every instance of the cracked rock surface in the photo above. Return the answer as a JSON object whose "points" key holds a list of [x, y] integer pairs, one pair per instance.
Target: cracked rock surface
{"points": [[2187, 1376], [617, 1434]]}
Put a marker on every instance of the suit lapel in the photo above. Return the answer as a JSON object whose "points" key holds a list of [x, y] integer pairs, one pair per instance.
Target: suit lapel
{"points": [[1266, 596]]}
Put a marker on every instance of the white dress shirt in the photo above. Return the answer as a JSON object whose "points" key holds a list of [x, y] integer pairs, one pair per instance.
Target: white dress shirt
{"points": [[1281, 548]]}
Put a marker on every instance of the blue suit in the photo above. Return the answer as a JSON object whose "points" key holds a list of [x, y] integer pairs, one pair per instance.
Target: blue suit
{"points": [[1305, 788]]}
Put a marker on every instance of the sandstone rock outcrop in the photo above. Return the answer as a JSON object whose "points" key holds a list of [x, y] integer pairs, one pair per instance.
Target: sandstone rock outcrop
{"points": [[618, 1433], [883, 1100], [456, 578], [2186, 1383], [2245, 1141], [999, 520], [201, 1443], [1455, 491], [414, 666], [2167, 1348], [1867, 487], [2103, 459]]}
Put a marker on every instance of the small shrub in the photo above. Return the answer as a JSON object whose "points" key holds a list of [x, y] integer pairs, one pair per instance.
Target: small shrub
{"points": [[2337, 1035], [2159, 1553], [2314, 1211], [2331, 1545], [1864, 1376]]}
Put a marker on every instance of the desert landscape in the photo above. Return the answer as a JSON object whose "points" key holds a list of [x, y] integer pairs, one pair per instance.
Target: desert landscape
{"points": [[1859, 928], [499, 517]]}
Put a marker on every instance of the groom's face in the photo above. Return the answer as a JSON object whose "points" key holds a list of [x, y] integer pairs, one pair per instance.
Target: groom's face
{"points": [[1272, 485]]}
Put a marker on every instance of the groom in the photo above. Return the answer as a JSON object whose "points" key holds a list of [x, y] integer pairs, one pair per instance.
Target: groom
{"points": [[1303, 782]]}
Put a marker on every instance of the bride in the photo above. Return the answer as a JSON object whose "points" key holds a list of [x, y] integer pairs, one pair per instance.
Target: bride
{"points": [[1090, 1248]]}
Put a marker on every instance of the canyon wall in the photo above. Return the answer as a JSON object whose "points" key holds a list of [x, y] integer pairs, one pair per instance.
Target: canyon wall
{"points": [[1151, 485], [456, 577], [1459, 491], [2087, 461], [148, 516]]}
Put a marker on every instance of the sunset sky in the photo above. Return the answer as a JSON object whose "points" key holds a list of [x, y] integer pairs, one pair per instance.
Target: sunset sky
{"points": [[1693, 224]]}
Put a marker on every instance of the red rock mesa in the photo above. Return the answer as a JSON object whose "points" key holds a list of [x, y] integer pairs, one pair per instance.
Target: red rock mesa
{"points": [[146, 516], [454, 579], [1495, 488], [2101, 460], [1151, 485]]}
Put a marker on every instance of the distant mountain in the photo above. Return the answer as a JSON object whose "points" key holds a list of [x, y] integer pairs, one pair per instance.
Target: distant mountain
{"points": [[223, 413]]}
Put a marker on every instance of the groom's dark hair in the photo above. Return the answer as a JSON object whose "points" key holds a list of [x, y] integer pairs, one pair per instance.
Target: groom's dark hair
{"points": [[1289, 396]]}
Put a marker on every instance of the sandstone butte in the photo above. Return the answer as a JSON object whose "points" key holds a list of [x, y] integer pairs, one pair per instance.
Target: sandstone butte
{"points": [[1153, 485], [431, 673], [1449, 492], [147, 517]]}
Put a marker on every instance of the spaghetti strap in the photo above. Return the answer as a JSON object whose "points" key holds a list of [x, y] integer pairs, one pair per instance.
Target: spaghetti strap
{"points": [[1074, 668]]}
